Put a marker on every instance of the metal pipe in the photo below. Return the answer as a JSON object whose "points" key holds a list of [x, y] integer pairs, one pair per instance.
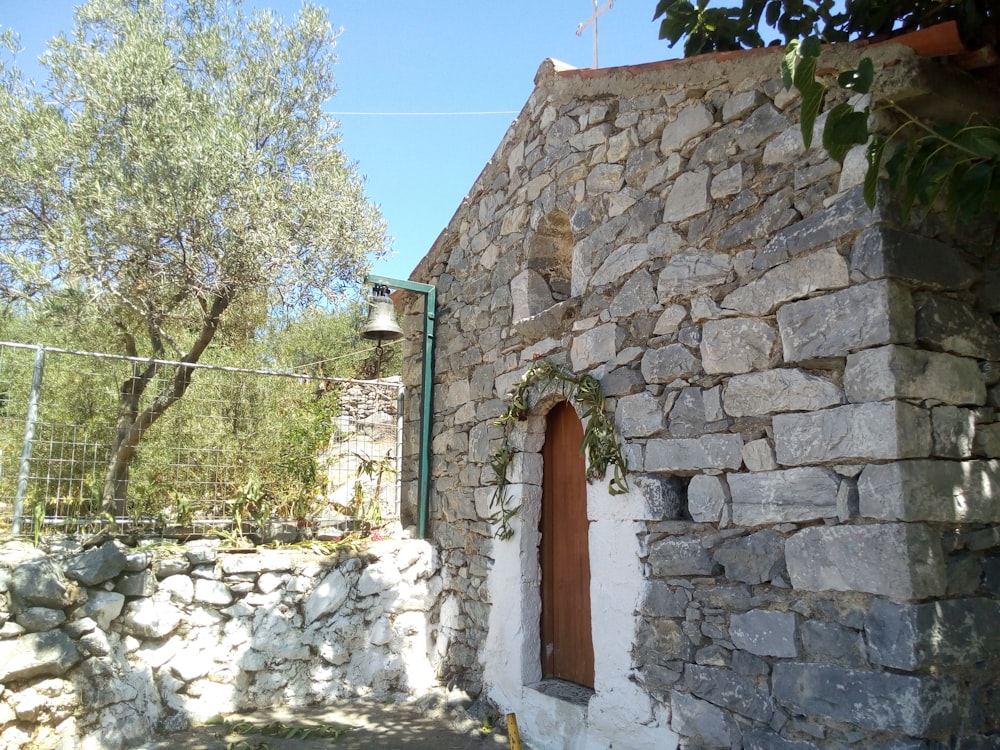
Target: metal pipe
{"points": [[30, 420], [426, 387]]}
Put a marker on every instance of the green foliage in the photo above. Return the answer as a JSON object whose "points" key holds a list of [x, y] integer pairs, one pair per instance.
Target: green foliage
{"points": [[601, 443], [709, 28], [958, 162]]}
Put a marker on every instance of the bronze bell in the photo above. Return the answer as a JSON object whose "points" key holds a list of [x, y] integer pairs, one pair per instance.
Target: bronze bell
{"points": [[381, 325]]}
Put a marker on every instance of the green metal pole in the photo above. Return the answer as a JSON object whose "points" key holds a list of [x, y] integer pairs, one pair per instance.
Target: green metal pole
{"points": [[427, 389]]}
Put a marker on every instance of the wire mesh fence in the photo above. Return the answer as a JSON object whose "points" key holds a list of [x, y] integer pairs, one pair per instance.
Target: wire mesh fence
{"points": [[243, 451]]}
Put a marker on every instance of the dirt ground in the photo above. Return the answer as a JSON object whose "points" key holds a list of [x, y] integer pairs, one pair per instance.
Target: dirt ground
{"points": [[357, 725]]}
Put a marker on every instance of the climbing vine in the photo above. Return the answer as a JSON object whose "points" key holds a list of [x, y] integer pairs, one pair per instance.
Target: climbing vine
{"points": [[601, 443]]}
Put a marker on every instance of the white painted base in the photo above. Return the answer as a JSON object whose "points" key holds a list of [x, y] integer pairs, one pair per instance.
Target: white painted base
{"points": [[618, 714]]}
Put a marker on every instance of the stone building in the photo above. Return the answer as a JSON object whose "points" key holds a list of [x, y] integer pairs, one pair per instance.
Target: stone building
{"points": [[808, 555]]}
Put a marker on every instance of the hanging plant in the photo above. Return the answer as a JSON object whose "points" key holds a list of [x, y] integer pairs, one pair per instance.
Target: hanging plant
{"points": [[601, 443]]}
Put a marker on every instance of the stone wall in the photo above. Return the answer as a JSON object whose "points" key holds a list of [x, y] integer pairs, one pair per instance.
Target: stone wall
{"points": [[100, 648], [809, 556]]}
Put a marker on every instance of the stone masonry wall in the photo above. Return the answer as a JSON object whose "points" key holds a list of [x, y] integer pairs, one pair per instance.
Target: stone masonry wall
{"points": [[808, 392], [100, 648]]}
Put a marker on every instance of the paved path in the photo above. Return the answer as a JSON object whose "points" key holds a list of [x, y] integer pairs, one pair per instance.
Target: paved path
{"points": [[369, 725]]}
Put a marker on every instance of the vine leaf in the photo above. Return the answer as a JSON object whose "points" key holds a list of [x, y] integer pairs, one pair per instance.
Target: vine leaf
{"points": [[600, 443], [873, 155], [844, 129]]}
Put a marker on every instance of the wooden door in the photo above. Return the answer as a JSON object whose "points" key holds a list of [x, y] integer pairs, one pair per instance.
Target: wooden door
{"points": [[567, 643]]}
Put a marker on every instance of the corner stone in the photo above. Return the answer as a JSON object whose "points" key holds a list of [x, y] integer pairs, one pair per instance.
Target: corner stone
{"points": [[901, 372], [880, 430], [872, 314], [917, 706], [901, 561], [937, 491]]}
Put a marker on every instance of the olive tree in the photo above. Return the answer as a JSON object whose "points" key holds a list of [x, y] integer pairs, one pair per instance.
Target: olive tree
{"points": [[176, 168]]}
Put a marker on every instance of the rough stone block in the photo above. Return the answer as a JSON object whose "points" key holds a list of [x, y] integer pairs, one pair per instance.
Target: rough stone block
{"points": [[722, 451], [693, 717], [826, 227], [41, 583], [689, 272], [798, 278], [756, 558], [691, 122], [774, 391], [37, 654], [707, 496], [872, 314], [595, 347], [887, 253], [880, 701], [764, 632], [736, 345], [780, 496], [952, 326], [826, 642], [678, 556], [879, 430], [948, 491], [688, 197], [758, 455], [725, 688], [901, 561], [948, 633], [906, 373], [953, 431], [639, 415], [669, 363]]}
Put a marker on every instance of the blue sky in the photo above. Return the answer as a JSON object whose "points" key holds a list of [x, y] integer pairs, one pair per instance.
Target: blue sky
{"points": [[429, 56]]}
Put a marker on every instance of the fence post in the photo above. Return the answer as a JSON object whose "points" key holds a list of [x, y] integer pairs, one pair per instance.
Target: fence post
{"points": [[30, 420]]}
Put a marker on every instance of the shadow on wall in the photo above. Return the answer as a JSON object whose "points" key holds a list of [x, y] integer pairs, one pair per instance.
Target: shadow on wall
{"points": [[104, 647]]}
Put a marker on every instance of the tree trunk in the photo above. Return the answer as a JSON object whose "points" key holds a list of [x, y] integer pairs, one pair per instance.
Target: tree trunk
{"points": [[133, 423]]}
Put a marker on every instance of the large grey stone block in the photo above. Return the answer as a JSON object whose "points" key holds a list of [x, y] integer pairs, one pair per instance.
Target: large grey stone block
{"points": [[884, 252], [97, 564], [786, 495], [736, 345], [772, 391], [948, 633], [901, 561], [879, 430], [903, 372], [721, 451], [938, 491], [798, 278], [918, 706], [764, 632], [41, 583], [36, 655], [872, 314]]}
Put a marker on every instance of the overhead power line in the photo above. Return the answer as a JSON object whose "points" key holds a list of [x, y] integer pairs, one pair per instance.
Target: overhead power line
{"points": [[426, 114]]}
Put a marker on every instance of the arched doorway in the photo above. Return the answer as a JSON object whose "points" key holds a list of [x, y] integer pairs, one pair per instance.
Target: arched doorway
{"points": [[566, 637]]}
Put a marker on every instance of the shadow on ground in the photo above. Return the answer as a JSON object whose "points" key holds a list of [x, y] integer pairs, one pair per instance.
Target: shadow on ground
{"points": [[367, 725]]}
